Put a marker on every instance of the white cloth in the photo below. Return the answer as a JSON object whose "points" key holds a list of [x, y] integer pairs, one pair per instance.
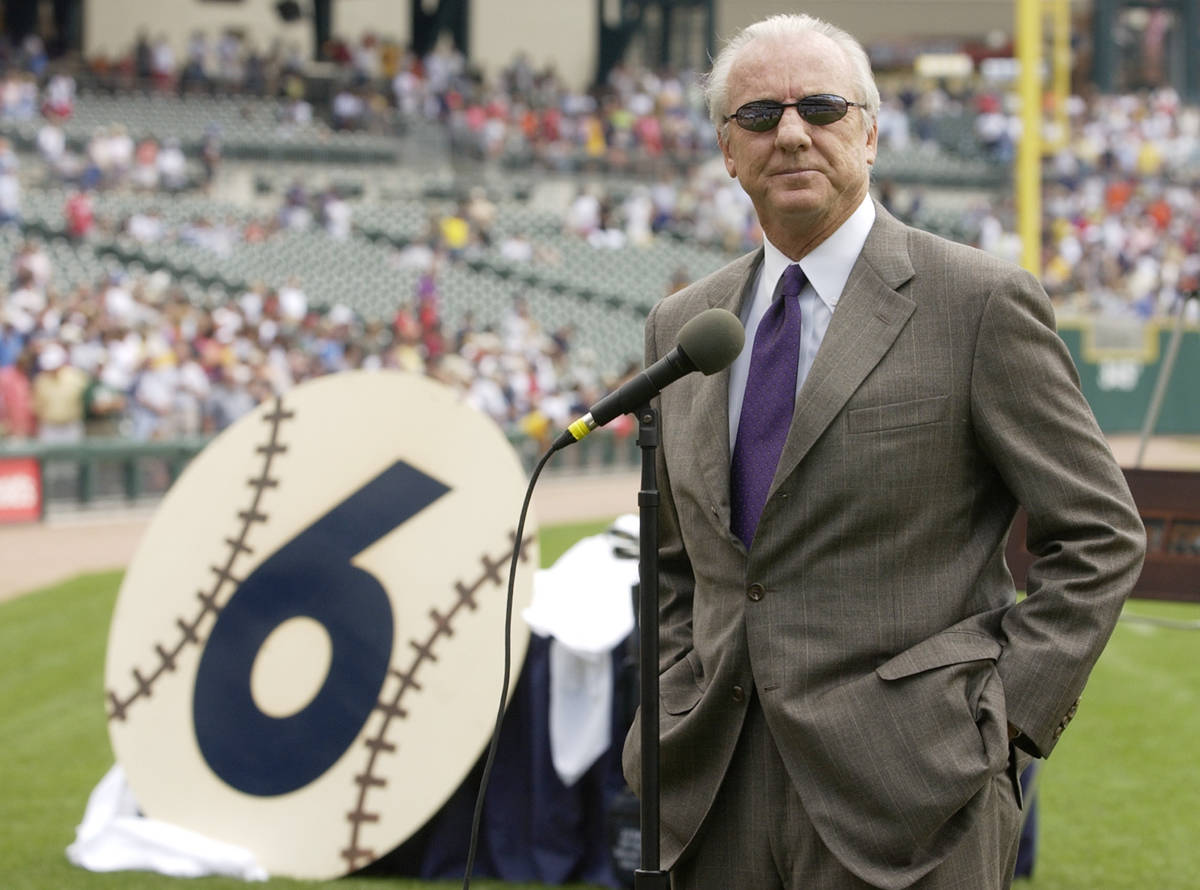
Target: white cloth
{"points": [[114, 836], [584, 603], [581, 694]]}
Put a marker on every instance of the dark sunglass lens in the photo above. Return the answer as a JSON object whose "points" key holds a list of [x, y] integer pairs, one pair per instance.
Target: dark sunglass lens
{"points": [[824, 110], [759, 116]]}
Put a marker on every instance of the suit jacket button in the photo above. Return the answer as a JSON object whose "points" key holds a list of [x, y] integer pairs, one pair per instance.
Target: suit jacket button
{"points": [[755, 592], [739, 694]]}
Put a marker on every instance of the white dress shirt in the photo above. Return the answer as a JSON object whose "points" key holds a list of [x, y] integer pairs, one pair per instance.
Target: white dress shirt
{"points": [[826, 270]]}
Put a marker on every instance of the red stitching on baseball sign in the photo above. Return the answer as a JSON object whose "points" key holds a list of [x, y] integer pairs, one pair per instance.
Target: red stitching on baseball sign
{"points": [[355, 855], [210, 600]]}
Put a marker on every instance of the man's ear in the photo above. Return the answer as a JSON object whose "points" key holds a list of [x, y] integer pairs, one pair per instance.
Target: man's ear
{"points": [[730, 166], [872, 142]]}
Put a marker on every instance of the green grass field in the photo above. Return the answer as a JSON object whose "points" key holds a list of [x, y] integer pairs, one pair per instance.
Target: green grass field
{"points": [[1120, 798]]}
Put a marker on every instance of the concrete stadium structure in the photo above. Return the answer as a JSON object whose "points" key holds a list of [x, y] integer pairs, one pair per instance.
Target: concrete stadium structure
{"points": [[563, 33]]}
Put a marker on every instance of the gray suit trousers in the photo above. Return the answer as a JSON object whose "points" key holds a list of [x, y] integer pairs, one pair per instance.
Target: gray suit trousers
{"points": [[757, 835]]}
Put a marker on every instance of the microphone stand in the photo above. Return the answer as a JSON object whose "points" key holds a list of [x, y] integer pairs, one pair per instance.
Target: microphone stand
{"points": [[649, 876]]}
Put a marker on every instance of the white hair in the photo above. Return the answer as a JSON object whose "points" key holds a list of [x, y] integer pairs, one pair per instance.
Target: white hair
{"points": [[786, 26]]}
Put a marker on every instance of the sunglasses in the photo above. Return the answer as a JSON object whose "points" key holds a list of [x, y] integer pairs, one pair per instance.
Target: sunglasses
{"points": [[765, 114]]}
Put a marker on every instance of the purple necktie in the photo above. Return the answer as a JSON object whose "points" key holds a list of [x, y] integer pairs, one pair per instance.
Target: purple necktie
{"points": [[767, 405]]}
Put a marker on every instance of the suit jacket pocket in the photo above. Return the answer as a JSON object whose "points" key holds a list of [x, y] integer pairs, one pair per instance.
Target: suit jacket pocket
{"points": [[899, 757], [897, 415], [679, 691], [954, 654], [679, 687], [946, 648]]}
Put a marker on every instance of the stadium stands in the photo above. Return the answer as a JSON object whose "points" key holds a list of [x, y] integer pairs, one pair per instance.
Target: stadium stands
{"points": [[413, 233]]}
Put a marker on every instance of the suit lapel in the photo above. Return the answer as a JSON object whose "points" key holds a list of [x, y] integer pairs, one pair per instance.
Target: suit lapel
{"points": [[710, 415], [868, 318]]}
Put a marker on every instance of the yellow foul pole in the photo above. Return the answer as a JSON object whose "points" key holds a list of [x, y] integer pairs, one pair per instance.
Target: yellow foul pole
{"points": [[1029, 150], [1062, 69]]}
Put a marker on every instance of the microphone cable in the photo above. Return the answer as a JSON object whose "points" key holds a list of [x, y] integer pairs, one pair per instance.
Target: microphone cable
{"points": [[477, 817], [708, 342]]}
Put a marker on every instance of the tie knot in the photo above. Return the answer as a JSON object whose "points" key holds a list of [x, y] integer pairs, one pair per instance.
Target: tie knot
{"points": [[792, 281]]}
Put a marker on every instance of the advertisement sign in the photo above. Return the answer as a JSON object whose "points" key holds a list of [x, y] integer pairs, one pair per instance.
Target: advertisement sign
{"points": [[20, 489]]}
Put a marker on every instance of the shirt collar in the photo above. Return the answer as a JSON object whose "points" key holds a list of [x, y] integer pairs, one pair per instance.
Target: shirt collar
{"points": [[827, 267]]}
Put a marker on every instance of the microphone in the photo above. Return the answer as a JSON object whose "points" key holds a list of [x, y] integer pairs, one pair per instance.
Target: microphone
{"points": [[708, 343]]}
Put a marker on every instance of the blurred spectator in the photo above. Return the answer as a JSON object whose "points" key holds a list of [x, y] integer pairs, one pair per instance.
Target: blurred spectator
{"points": [[145, 175], [481, 214], [19, 96], [295, 213], [335, 215], [10, 185], [79, 214], [455, 231], [293, 302], [516, 248], [255, 81], [26, 296], [156, 399], [996, 133], [17, 417], [12, 337], [518, 326], [172, 166], [210, 155], [583, 216], [32, 258], [228, 62], [427, 300], [58, 392], [58, 102], [143, 63], [297, 112], [119, 149], [34, 57], [162, 63], [229, 397], [348, 109], [51, 144], [104, 407], [118, 301], [194, 76], [146, 226]]}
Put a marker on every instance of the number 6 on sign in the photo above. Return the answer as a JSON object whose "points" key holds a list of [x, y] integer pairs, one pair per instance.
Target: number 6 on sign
{"points": [[312, 577]]}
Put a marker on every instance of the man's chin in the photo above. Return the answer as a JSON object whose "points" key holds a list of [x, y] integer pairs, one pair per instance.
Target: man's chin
{"points": [[806, 202]]}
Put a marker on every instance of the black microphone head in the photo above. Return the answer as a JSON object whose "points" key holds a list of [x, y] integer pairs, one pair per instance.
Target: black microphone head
{"points": [[712, 340]]}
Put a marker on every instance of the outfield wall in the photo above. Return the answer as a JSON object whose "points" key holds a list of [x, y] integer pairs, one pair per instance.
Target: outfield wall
{"points": [[1119, 365]]}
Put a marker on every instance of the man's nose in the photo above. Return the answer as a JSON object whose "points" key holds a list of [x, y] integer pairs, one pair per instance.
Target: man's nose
{"points": [[791, 133]]}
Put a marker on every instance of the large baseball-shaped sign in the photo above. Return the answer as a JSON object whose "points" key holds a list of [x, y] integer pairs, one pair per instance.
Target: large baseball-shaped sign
{"points": [[306, 651]]}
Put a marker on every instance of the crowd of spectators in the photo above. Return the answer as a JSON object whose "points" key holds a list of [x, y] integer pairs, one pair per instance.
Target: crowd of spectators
{"points": [[131, 355], [1122, 206], [134, 357], [1109, 244], [228, 63]]}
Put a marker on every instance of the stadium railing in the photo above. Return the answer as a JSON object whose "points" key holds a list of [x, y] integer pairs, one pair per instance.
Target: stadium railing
{"points": [[115, 472]]}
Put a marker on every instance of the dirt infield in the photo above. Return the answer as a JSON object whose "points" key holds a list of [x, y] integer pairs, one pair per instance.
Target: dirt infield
{"points": [[1162, 453], [34, 556]]}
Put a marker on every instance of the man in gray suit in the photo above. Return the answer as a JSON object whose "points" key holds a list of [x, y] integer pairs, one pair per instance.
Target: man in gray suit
{"points": [[849, 687]]}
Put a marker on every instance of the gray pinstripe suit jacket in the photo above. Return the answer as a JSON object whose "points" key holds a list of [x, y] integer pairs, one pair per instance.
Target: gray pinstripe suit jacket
{"points": [[874, 615]]}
